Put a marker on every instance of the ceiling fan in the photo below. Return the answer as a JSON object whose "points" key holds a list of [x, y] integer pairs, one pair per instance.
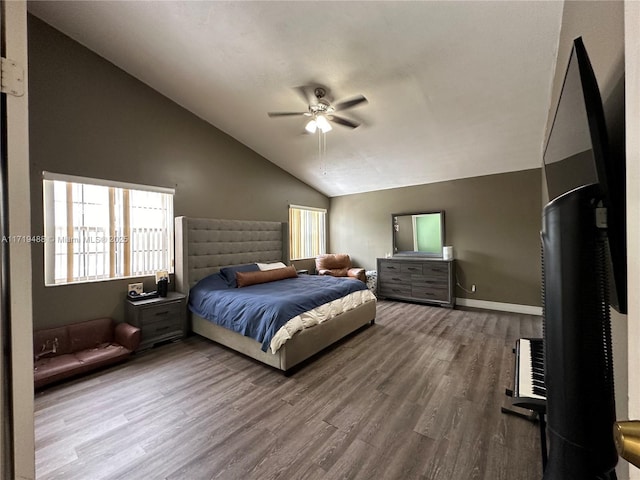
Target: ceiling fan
{"points": [[322, 111]]}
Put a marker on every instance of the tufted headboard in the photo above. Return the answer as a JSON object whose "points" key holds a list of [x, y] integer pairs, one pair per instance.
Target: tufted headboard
{"points": [[205, 245]]}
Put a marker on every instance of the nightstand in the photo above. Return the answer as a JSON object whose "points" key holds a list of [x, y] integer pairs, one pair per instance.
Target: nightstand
{"points": [[159, 319]]}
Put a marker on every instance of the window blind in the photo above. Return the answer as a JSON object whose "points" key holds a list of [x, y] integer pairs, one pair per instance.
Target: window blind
{"points": [[307, 232]]}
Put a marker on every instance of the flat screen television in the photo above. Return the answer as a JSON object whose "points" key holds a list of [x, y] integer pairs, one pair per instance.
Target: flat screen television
{"points": [[583, 240], [579, 152]]}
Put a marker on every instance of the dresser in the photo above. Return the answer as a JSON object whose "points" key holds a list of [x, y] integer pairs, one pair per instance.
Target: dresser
{"points": [[417, 279], [159, 319]]}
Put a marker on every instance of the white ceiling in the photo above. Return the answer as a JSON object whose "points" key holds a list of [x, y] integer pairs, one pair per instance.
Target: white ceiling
{"points": [[455, 89]]}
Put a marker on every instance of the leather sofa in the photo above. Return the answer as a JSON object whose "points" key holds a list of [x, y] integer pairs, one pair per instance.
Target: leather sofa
{"points": [[338, 265], [70, 350]]}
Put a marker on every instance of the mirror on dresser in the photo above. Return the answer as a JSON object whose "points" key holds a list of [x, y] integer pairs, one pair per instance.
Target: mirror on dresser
{"points": [[418, 234]]}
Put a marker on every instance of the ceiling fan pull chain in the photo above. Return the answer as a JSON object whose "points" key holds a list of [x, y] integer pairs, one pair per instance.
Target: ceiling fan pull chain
{"points": [[320, 159], [322, 151]]}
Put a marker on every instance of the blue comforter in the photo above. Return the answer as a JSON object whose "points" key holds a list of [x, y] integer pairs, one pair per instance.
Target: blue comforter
{"points": [[258, 311]]}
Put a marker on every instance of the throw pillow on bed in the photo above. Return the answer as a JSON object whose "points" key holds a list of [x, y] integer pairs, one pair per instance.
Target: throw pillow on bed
{"points": [[271, 266], [215, 281], [244, 279], [230, 272]]}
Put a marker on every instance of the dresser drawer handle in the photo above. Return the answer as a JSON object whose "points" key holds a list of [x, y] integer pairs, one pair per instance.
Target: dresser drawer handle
{"points": [[162, 313], [167, 327], [413, 268], [396, 279]]}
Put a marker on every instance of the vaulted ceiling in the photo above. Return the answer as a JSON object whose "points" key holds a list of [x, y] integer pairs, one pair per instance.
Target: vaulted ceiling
{"points": [[455, 89]]}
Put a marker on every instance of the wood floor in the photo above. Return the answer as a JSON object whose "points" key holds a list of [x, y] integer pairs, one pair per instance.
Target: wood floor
{"points": [[416, 396]]}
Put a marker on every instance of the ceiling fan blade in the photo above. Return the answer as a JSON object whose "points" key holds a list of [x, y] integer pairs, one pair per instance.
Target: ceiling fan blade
{"points": [[287, 114], [350, 103], [343, 121]]}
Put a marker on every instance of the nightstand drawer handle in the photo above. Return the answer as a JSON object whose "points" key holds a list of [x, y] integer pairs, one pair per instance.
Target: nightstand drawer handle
{"points": [[162, 313], [163, 328]]}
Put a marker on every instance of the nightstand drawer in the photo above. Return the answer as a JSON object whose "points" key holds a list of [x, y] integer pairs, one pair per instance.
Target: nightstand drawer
{"points": [[163, 326], [161, 314]]}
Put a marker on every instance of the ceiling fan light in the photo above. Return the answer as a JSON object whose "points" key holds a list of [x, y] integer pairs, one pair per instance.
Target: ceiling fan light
{"points": [[323, 124], [311, 126]]}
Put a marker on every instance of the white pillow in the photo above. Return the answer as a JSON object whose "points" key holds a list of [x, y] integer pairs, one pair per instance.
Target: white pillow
{"points": [[271, 266]]}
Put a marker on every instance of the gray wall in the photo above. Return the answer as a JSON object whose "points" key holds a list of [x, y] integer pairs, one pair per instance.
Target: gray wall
{"points": [[89, 118], [493, 223]]}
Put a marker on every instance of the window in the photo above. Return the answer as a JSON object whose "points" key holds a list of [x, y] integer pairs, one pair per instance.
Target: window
{"points": [[96, 230], [307, 232]]}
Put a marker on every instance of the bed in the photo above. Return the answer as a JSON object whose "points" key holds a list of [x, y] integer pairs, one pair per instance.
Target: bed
{"points": [[205, 246]]}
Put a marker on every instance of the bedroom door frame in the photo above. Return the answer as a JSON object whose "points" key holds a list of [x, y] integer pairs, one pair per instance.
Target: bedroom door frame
{"points": [[632, 123], [18, 444]]}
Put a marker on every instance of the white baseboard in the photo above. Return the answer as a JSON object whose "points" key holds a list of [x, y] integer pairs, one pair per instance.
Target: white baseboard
{"points": [[502, 307]]}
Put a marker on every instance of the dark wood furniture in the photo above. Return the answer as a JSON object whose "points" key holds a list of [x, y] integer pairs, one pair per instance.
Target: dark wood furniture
{"points": [[159, 319], [417, 279]]}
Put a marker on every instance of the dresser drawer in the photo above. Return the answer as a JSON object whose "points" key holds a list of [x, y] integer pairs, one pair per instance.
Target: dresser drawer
{"points": [[436, 269], [389, 289], [411, 268], [394, 277], [430, 291], [389, 267]]}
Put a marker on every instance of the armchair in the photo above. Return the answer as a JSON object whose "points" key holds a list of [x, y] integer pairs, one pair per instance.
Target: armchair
{"points": [[338, 265]]}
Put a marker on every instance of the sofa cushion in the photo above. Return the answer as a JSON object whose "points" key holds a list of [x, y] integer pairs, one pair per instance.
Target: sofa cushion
{"points": [[336, 272], [51, 341], [90, 334], [50, 369], [333, 261], [358, 273], [102, 354]]}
